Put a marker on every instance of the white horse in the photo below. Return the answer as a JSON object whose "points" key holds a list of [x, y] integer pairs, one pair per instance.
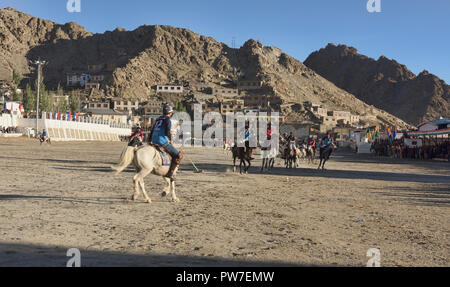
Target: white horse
{"points": [[146, 159], [268, 156]]}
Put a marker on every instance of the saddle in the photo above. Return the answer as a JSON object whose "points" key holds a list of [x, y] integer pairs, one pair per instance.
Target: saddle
{"points": [[166, 158]]}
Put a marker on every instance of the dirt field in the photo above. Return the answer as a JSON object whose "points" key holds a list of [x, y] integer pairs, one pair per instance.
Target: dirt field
{"points": [[65, 196]]}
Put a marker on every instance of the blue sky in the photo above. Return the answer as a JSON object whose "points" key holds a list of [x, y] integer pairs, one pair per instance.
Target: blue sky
{"points": [[413, 32]]}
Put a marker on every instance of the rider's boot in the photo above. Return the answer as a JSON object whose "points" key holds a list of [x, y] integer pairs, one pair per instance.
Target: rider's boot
{"points": [[173, 166]]}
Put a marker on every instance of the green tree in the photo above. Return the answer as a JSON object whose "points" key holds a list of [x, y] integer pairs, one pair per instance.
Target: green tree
{"points": [[74, 102], [17, 78], [63, 105], [16, 97], [45, 99], [179, 107], [59, 90], [29, 100]]}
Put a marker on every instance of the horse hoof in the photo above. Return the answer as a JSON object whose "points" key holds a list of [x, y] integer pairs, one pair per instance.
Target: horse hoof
{"points": [[149, 201], [175, 200]]}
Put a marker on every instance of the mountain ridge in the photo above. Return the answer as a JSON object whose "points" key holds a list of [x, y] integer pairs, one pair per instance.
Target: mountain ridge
{"points": [[151, 55], [384, 83]]}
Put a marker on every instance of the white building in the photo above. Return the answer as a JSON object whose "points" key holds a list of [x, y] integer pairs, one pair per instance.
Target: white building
{"points": [[170, 89], [225, 92], [78, 80], [125, 105]]}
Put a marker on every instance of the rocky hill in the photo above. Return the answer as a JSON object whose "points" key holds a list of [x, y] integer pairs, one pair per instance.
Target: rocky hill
{"points": [[152, 55], [383, 83]]}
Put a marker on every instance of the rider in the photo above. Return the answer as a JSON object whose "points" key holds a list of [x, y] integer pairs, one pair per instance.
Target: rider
{"points": [[137, 134], [292, 139], [161, 136], [326, 141], [248, 150], [269, 131], [312, 143], [44, 136]]}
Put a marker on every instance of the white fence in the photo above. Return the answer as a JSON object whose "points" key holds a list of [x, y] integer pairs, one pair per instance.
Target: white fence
{"points": [[83, 129], [6, 121]]}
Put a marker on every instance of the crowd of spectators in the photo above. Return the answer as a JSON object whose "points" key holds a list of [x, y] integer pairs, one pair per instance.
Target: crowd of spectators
{"points": [[398, 149]]}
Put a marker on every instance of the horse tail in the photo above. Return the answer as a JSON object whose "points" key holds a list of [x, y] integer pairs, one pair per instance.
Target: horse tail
{"points": [[125, 160]]}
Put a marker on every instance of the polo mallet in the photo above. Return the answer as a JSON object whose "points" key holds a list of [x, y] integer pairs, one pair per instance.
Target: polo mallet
{"points": [[193, 164]]}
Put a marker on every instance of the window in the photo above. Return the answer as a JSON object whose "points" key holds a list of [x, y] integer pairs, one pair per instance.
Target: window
{"points": [[172, 88], [178, 88]]}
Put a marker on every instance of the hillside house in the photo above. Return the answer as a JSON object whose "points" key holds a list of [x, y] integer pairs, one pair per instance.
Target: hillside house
{"points": [[102, 104], [231, 106], [91, 85], [249, 85], [125, 105], [225, 92], [261, 101], [77, 79], [319, 111], [97, 78], [170, 89]]}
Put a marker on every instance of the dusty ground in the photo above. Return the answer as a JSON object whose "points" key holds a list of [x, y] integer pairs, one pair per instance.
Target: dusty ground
{"points": [[62, 196]]}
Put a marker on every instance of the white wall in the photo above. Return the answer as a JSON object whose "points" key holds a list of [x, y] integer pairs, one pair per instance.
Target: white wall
{"points": [[60, 130]]}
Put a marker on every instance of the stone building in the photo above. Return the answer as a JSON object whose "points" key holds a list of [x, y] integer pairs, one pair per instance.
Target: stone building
{"points": [[125, 105], [249, 85], [91, 85], [225, 92], [256, 101], [171, 89], [231, 106]]}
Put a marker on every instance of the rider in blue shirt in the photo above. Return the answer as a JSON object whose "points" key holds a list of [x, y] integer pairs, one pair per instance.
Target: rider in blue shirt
{"points": [[326, 141], [161, 136], [248, 150]]}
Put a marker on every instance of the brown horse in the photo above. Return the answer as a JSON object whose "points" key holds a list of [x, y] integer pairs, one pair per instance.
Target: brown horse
{"points": [[239, 152]]}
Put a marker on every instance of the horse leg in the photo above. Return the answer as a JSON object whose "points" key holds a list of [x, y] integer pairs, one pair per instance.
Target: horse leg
{"points": [[141, 176], [248, 167], [234, 164], [320, 163], [166, 190], [323, 165], [136, 188], [172, 188]]}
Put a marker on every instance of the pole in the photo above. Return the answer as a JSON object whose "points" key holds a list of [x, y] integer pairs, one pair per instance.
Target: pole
{"points": [[37, 98], [39, 64]]}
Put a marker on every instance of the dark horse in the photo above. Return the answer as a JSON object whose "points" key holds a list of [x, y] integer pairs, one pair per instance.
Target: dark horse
{"points": [[239, 152], [325, 153]]}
